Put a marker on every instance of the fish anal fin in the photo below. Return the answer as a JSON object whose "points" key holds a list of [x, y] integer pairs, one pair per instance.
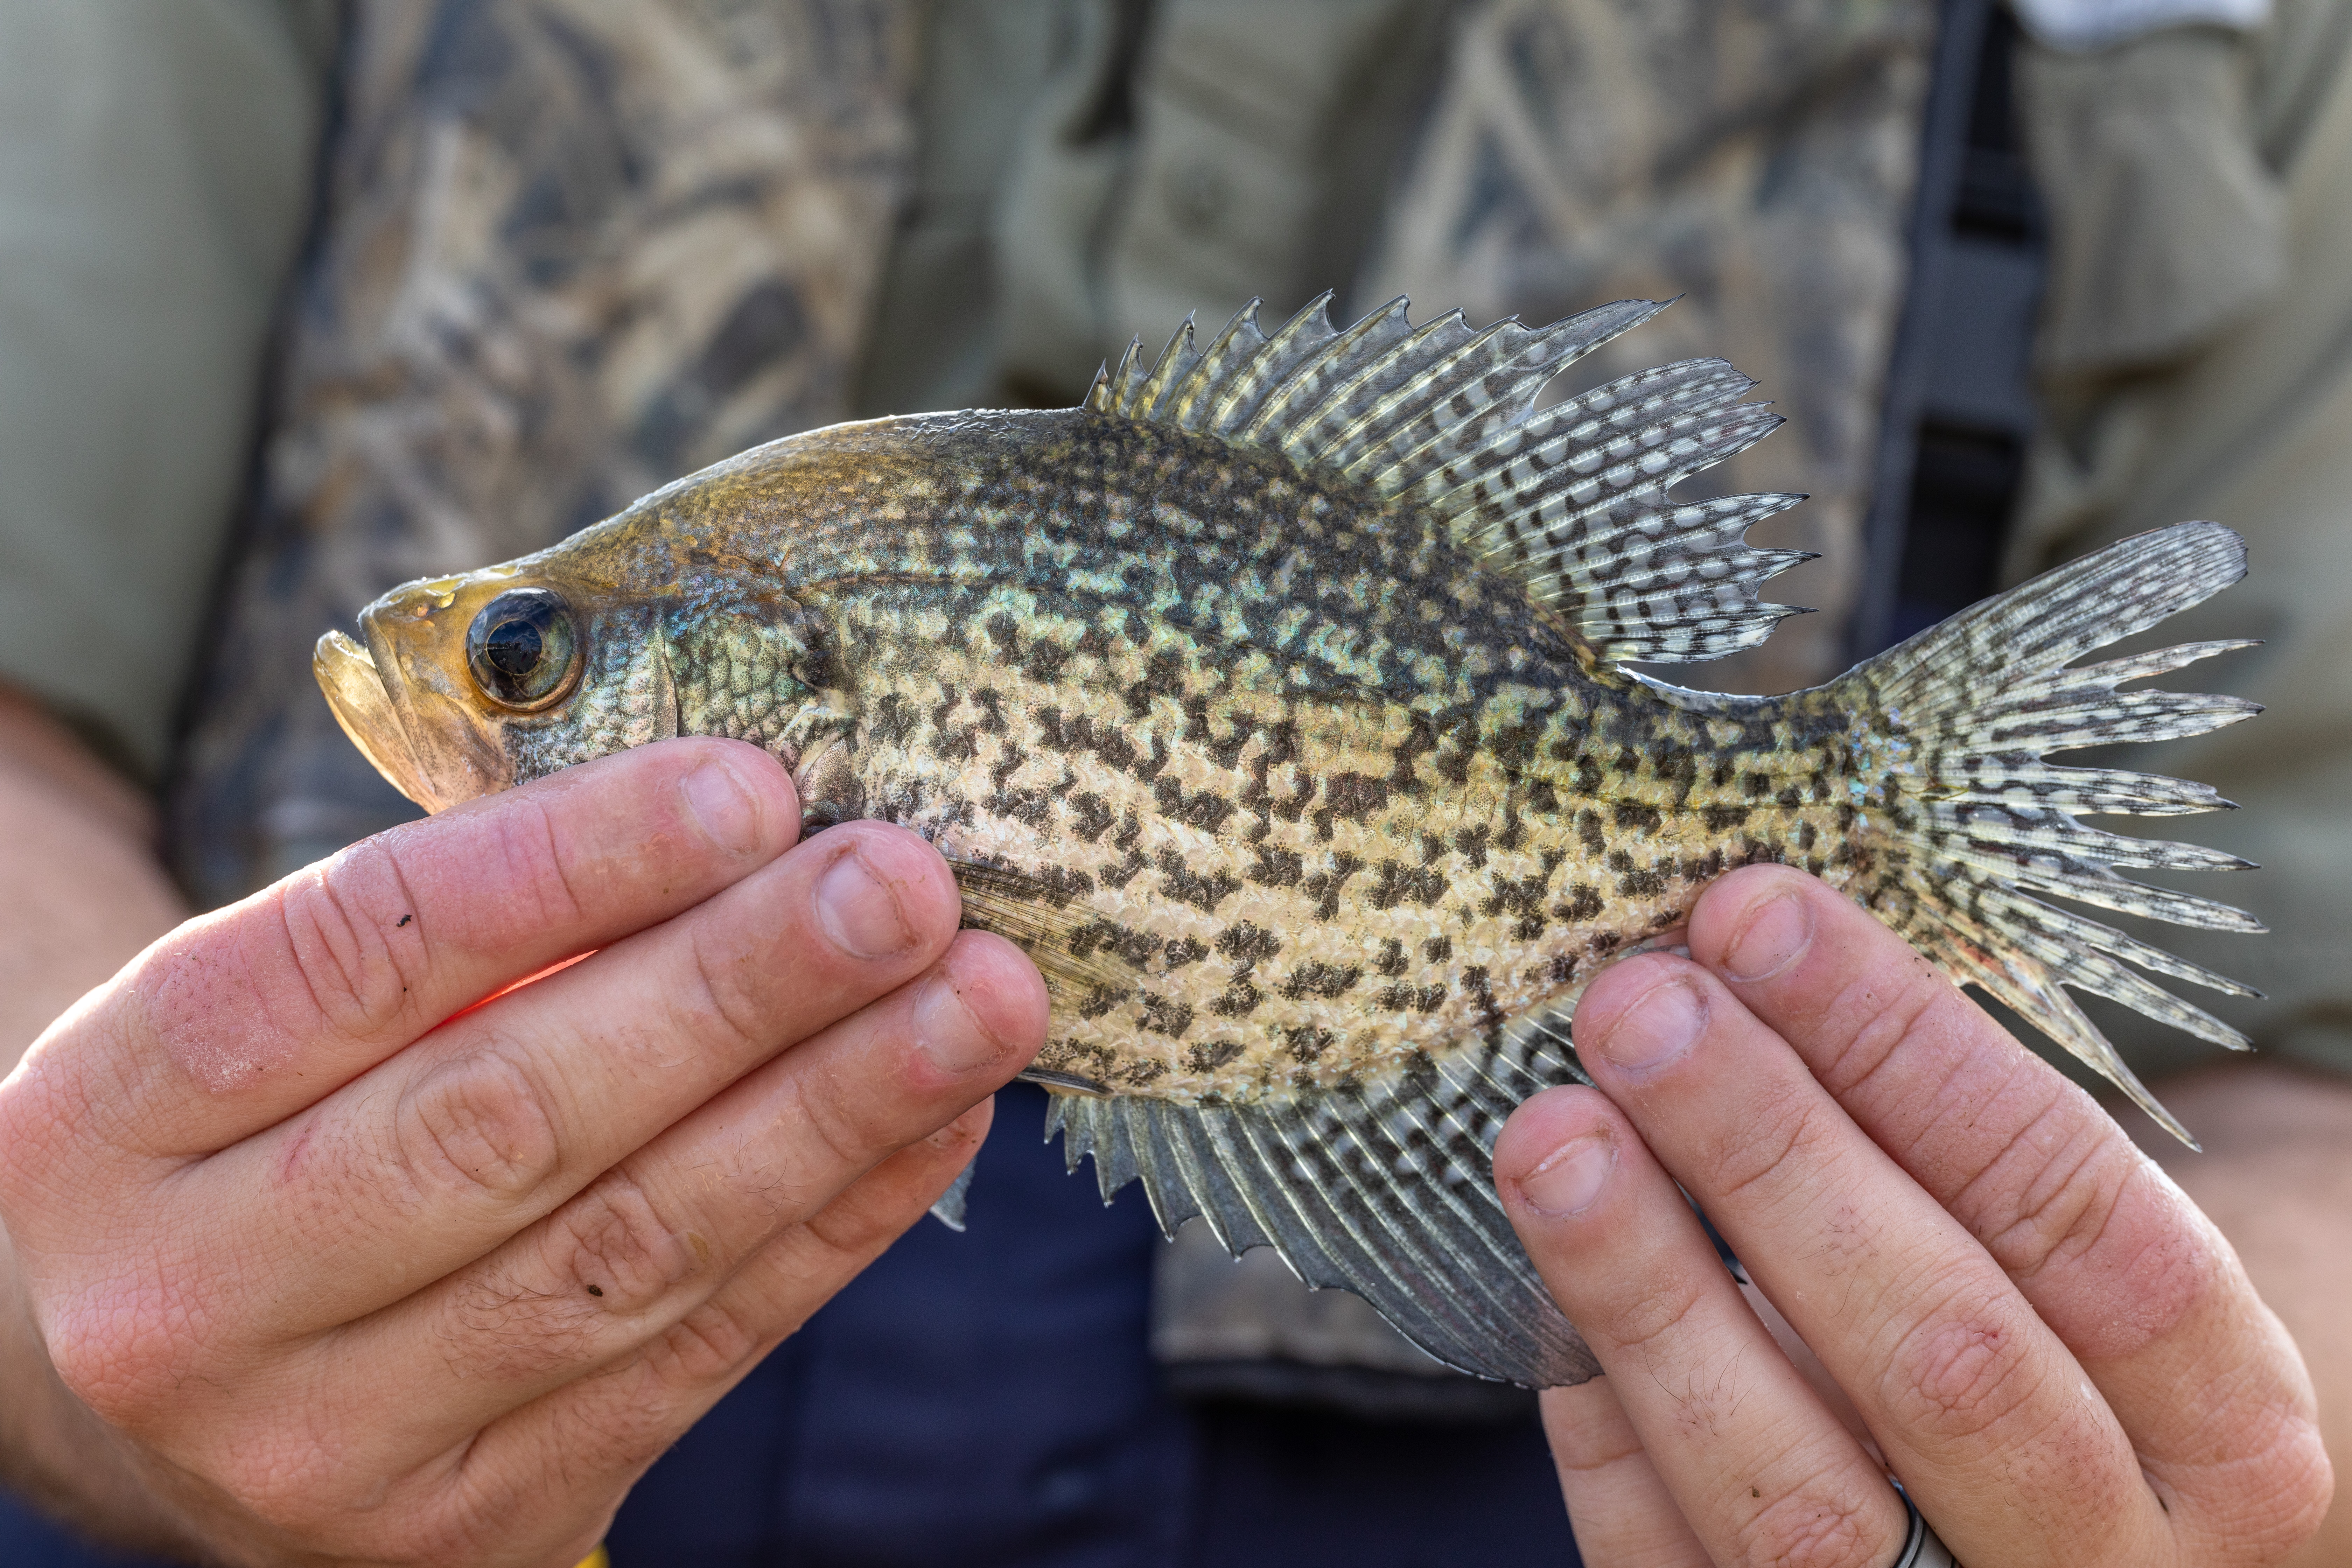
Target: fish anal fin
{"points": [[950, 1208], [1386, 1190]]}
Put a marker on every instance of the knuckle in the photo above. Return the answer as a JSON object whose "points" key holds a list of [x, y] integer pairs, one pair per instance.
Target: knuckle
{"points": [[1815, 1525], [476, 1129], [612, 1244], [635, 1417], [1963, 1377], [727, 996], [126, 1350], [833, 1132], [1883, 1021], [1782, 1124], [2266, 1487], [709, 1345], [2070, 1199], [2048, 1194], [1647, 1321], [346, 940], [48, 1112], [287, 1479], [531, 861], [2289, 1504]]}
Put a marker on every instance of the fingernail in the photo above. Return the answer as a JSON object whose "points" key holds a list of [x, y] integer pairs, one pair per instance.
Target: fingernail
{"points": [[1568, 1182], [1658, 1027], [858, 912], [1777, 934], [948, 1032], [717, 800]]}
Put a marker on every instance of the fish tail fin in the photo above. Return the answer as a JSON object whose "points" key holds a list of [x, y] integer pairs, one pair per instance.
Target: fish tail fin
{"points": [[1952, 729]]}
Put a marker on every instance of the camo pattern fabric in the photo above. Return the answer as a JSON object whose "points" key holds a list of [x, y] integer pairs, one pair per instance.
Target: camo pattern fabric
{"points": [[572, 249], [569, 251], [1755, 157]]}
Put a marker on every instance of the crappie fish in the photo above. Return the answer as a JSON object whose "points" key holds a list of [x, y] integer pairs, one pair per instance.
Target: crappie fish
{"points": [[1277, 700]]}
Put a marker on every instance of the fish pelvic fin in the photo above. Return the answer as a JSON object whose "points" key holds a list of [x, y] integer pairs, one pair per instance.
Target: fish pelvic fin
{"points": [[1385, 1189], [1952, 728], [1570, 500]]}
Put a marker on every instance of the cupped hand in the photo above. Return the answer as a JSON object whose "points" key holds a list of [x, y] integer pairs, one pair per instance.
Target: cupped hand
{"points": [[1971, 1272], [354, 1264]]}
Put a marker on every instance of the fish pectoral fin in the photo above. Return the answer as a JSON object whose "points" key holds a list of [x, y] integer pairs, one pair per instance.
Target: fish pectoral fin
{"points": [[1067, 1082], [665, 722], [1062, 937], [1386, 1190]]}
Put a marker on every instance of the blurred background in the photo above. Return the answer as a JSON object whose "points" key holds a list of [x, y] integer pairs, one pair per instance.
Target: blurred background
{"points": [[299, 299]]}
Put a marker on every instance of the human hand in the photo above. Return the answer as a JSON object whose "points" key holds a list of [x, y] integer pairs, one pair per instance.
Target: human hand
{"points": [[353, 1268], [2059, 1355]]}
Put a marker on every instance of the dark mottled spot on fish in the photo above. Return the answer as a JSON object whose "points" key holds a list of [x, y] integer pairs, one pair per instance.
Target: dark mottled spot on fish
{"points": [[1324, 886], [1210, 1055], [1162, 1016], [1306, 1042], [1320, 979], [1349, 797]]}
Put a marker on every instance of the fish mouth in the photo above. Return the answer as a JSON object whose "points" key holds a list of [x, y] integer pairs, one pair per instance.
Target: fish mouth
{"points": [[355, 690], [425, 742]]}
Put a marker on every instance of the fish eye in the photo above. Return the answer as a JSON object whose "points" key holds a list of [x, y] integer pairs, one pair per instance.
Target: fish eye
{"points": [[523, 650]]}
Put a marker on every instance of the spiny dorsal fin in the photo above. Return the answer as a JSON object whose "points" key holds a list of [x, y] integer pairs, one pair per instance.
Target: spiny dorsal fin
{"points": [[1570, 500]]}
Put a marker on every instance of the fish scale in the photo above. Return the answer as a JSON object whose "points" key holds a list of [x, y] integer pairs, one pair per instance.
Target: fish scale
{"points": [[1277, 701], [1338, 840]]}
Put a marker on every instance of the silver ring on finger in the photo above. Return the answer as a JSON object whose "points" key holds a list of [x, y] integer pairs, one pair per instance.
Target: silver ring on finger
{"points": [[1922, 1548]]}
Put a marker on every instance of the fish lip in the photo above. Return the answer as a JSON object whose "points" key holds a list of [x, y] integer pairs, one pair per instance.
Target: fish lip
{"points": [[364, 707], [392, 696]]}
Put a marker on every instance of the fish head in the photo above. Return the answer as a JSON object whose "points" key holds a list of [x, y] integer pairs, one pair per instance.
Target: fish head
{"points": [[463, 686]]}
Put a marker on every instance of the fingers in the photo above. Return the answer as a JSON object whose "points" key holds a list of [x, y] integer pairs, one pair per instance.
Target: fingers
{"points": [[647, 1244], [1618, 1504], [438, 1157], [2138, 1283], [595, 1436], [1973, 1400], [1761, 1470], [243, 1016], [537, 1486]]}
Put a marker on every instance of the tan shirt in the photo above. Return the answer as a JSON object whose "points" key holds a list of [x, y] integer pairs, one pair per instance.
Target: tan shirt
{"points": [[2198, 363], [155, 165]]}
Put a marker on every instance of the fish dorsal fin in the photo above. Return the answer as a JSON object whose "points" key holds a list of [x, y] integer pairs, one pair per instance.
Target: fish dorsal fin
{"points": [[1570, 500]]}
